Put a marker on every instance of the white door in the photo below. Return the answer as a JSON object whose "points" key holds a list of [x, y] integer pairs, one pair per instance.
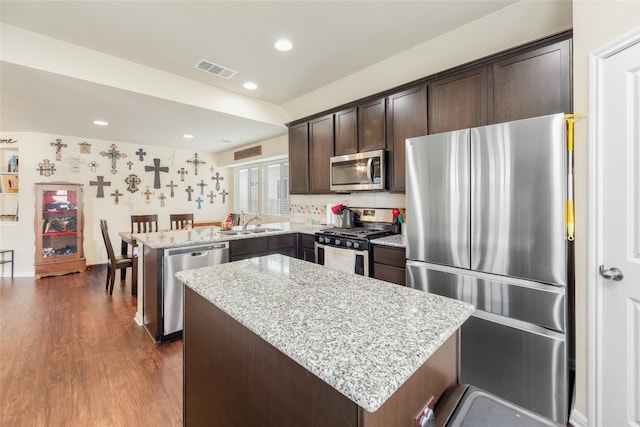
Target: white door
{"points": [[620, 233]]}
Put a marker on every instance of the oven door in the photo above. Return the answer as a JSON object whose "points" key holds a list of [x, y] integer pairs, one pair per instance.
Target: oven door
{"points": [[348, 260]]}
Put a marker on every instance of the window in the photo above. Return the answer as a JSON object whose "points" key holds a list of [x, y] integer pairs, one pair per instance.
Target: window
{"points": [[263, 188]]}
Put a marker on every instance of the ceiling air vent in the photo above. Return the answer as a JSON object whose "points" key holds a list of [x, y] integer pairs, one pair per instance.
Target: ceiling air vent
{"points": [[215, 69]]}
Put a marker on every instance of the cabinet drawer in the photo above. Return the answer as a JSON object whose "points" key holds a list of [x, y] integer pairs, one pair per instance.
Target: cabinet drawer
{"points": [[282, 241], [254, 245], [389, 274], [389, 255]]}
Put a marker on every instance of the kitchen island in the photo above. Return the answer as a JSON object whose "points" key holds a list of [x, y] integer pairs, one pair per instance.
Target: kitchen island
{"points": [[276, 341]]}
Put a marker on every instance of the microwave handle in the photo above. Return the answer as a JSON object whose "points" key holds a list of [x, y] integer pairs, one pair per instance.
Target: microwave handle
{"points": [[370, 169]]}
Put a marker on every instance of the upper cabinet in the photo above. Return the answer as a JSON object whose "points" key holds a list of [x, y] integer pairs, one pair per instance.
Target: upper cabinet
{"points": [[320, 151], [534, 83], [406, 118], [371, 125], [299, 159], [346, 122]]}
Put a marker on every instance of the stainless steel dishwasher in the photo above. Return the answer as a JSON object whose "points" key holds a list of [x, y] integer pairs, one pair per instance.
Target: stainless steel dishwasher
{"points": [[180, 259]]}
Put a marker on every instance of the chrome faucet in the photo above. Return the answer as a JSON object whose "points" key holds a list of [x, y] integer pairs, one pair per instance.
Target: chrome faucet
{"points": [[245, 221]]}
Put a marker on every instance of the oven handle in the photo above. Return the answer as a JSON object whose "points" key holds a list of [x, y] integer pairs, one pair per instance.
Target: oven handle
{"points": [[370, 169]]}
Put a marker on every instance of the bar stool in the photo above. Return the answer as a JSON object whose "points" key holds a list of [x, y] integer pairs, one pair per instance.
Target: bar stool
{"points": [[180, 221], [5, 261]]}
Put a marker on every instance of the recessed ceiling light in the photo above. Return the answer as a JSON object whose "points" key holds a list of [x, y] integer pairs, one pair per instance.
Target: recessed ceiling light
{"points": [[283, 45], [100, 123], [186, 135], [250, 86]]}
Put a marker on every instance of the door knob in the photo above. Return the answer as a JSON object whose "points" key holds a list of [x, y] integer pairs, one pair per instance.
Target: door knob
{"points": [[612, 273]]}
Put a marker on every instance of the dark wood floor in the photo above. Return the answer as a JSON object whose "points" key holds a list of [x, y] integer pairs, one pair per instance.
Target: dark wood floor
{"points": [[71, 355]]}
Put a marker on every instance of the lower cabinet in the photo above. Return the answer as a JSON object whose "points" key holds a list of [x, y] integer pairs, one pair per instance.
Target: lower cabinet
{"points": [[389, 264], [306, 245], [285, 244]]}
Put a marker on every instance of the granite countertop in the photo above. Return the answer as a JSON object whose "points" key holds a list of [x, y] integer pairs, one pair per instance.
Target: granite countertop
{"points": [[205, 235], [396, 240], [362, 336]]}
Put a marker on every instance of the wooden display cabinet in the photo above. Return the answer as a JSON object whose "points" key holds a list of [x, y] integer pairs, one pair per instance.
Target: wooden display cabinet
{"points": [[59, 225]]}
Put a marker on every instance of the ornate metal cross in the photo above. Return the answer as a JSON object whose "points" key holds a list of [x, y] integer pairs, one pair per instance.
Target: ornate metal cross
{"points": [[172, 185], [195, 162], [189, 190], [117, 194], [93, 165], [199, 201], [141, 153], [101, 183], [224, 195], [59, 145], [202, 185], [182, 172], [46, 168], [114, 155], [156, 168], [132, 182], [129, 163], [148, 193], [162, 198], [211, 196], [217, 179]]}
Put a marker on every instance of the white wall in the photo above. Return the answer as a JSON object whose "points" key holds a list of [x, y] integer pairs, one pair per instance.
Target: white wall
{"points": [[35, 147]]}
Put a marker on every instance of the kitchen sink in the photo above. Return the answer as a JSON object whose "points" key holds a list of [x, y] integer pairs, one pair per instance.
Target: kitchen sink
{"points": [[244, 232]]}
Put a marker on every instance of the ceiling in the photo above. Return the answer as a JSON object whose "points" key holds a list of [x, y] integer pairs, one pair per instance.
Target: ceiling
{"points": [[331, 39]]}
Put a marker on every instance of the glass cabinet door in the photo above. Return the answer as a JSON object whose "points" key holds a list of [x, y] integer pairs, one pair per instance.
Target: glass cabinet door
{"points": [[59, 222]]}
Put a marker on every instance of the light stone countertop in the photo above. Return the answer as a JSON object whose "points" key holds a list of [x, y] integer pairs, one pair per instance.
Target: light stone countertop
{"points": [[206, 235], [396, 240], [362, 336]]}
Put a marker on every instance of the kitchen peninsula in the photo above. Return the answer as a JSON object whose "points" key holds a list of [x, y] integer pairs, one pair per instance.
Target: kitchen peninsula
{"points": [[276, 341]]}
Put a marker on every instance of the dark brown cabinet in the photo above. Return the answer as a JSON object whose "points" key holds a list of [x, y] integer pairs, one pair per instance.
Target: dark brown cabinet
{"points": [[247, 248], [320, 151], [284, 244], [299, 159], [406, 118], [346, 122], [372, 125], [389, 264], [459, 101], [306, 245], [533, 83]]}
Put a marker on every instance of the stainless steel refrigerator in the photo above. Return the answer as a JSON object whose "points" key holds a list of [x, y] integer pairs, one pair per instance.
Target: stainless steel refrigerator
{"points": [[486, 224]]}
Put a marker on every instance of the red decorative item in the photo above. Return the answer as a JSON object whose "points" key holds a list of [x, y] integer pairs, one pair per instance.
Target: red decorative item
{"points": [[337, 209]]}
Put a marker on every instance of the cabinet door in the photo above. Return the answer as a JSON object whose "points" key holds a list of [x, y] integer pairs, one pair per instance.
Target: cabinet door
{"points": [[372, 125], [459, 101], [320, 151], [299, 159], [406, 118], [346, 132], [532, 84]]}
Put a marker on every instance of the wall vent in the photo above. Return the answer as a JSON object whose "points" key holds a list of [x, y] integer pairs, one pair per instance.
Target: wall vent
{"points": [[215, 69]]}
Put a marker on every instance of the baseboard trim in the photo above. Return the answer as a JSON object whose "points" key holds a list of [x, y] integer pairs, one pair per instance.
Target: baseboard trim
{"points": [[576, 419]]}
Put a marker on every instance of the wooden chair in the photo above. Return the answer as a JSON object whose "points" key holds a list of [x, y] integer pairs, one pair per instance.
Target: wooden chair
{"points": [[144, 223], [117, 262], [236, 218], [180, 221]]}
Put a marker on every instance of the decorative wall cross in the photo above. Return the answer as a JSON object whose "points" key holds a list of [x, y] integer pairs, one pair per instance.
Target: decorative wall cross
{"points": [[131, 201], [156, 168], [141, 153], [114, 155], [148, 193], [93, 165], [217, 179], [59, 145], [202, 185], [117, 194], [172, 185], [211, 196], [211, 169], [101, 183], [129, 163], [46, 168], [195, 162], [224, 195], [132, 182], [189, 190], [162, 198], [199, 201], [182, 172]]}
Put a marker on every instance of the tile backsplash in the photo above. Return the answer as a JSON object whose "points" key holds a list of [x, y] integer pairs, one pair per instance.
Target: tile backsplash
{"points": [[305, 208]]}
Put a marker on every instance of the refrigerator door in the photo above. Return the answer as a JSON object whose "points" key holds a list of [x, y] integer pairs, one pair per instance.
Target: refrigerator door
{"points": [[438, 198], [518, 194]]}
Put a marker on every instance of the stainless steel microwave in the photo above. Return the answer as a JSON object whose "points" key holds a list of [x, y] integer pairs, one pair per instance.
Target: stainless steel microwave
{"points": [[358, 172]]}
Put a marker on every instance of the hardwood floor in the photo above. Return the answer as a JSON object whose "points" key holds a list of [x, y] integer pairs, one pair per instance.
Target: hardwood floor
{"points": [[71, 355]]}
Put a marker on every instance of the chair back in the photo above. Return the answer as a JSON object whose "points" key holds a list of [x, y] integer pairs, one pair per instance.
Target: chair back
{"points": [[107, 241], [144, 223], [180, 221]]}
